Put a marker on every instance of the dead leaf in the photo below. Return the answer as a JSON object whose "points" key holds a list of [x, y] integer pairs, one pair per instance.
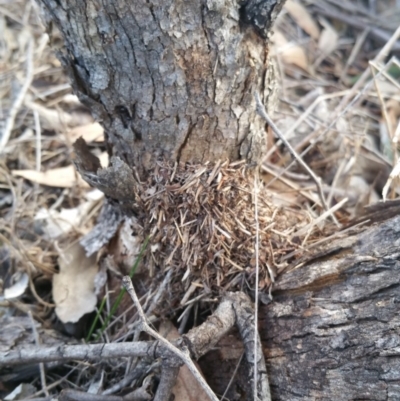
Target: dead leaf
{"points": [[56, 119], [73, 288], [84, 159], [128, 245], [21, 392], [63, 177], [90, 133], [20, 284], [291, 53], [107, 225], [303, 18], [55, 223], [328, 41], [186, 388]]}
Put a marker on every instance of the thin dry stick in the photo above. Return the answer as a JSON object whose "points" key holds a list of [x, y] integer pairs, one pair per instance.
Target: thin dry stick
{"points": [[127, 283], [38, 140], [159, 293], [365, 75], [233, 376], [78, 352], [41, 365], [256, 286], [303, 118], [168, 378], [354, 52], [20, 98], [323, 216], [263, 113]]}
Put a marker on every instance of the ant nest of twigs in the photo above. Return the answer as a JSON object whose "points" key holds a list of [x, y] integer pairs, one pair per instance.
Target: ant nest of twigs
{"points": [[202, 223]]}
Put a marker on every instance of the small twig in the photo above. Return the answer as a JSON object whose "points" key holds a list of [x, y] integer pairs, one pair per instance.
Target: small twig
{"points": [[127, 283], [41, 365], [159, 293], [78, 352], [168, 378], [19, 99], [256, 284], [74, 395], [323, 216], [254, 353], [141, 370], [263, 113], [233, 376], [38, 140], [354, 52]]}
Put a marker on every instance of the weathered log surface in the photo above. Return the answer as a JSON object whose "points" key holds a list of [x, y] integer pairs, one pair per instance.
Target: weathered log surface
{"points": [[332, 331]]}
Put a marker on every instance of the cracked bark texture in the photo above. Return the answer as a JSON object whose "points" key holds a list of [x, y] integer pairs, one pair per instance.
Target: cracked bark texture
{"points": [[334, 327], [170, 79]]}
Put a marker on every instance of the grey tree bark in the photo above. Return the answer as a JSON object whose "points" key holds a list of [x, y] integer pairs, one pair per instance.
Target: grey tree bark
{"points": [[170, 79]]}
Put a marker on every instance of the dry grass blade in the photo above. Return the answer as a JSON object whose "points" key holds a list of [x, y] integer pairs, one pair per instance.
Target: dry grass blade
{"points": [[267, 118], [20, 97]]}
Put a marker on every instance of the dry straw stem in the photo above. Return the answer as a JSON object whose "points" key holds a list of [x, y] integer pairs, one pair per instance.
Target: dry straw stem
{"points": [[41, 365], [384, 52], [20, 97], [263, 113]]}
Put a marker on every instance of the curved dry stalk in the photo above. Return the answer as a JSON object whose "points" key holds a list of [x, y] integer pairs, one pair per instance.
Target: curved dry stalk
{"points": [[182, 355]]}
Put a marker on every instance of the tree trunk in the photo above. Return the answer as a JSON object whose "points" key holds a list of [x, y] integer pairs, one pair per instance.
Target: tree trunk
{"points": [[170, 80]]}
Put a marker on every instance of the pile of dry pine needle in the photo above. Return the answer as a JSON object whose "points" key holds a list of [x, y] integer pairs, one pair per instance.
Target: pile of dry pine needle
{"points": [[339, 108]]}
